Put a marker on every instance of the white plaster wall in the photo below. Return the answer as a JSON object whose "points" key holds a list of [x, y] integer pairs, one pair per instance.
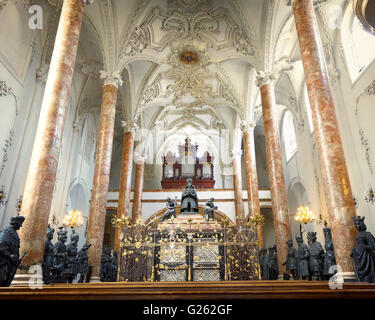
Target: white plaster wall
{"points": [[27, 94]]}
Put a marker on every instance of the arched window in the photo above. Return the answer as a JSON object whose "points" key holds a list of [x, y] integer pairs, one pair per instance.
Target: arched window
{"points": [[289, 135], [363, 45], [358, 44], [308, 109]]}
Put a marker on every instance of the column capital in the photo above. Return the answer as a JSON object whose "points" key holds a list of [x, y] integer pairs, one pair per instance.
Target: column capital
{"points": [[264, 77], [139, 158], [315, 2], [247, 125], [129, 126], [289, 2], [111, 78], [58, 3], [236, 153]]}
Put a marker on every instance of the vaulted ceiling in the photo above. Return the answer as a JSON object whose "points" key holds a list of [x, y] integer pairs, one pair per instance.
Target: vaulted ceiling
{"points": [[190, 64]]}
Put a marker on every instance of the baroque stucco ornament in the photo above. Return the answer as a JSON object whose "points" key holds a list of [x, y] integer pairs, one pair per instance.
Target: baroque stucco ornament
{"points": [[188, 83], [5, 90], [189, 6], [137, 42], [188, 78], [150, 93], [370, 89], [193, 27], [201, 23]]}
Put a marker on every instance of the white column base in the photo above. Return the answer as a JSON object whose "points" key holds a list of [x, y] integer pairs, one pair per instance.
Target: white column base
{"points": [[95, 279], [22, 280], [349, 276]]}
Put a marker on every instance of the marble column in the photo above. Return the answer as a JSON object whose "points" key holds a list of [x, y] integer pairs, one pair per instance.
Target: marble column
{"points": [[251, 174], [99, 193], [138, 188], [333, 168], [123, 208], [280, 210], [237, 186], [40, 181]]}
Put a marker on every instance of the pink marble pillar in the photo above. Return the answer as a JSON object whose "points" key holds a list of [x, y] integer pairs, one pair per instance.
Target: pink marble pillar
{"points": [[99, 193], [280, 210], [251, 174], [40, 181], [138, 189], [126, 177], [237, 185], [334, 172]]}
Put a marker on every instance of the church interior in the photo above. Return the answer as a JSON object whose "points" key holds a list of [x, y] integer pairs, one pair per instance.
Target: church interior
{"points": [[220, 148]]}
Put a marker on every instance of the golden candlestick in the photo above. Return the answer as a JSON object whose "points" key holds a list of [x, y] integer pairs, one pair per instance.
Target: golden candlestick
{"points": [[304, 215]]}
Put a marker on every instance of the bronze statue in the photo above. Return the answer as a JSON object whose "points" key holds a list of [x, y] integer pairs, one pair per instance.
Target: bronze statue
{"points": [[114, 267], [209, 210], [9, 251], [59, 259], [364, 252], [171, 209], [291, 262], [48, 256], [263, 261], [273, 267], [106, 274], [83, 263], [316, 256], [71, 267], [329, 257], [303, 258], [189, 199]]}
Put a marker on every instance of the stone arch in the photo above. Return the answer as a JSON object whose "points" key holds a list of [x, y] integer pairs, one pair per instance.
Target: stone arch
{"points": [[78, 198]]}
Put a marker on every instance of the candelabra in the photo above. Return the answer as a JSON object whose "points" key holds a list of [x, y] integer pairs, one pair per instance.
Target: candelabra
{"points": [[19, 204], [73, 219], [304, 215], [3, 196], [356, 202], [370, 196], [256, 220]]}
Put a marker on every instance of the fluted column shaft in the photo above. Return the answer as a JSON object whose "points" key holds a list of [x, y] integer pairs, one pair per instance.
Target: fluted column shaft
{"points": [[252, 177], [99, 194], [125, 182], [334, 172], [237, 185], [280, 210], [138, 189], [41, 176]]}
